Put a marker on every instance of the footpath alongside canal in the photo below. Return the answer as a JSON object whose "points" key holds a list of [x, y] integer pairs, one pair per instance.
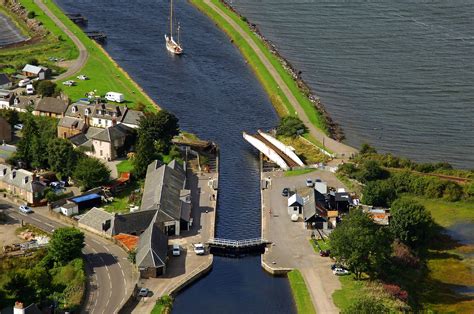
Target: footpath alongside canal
{"points": [[292, 249]]}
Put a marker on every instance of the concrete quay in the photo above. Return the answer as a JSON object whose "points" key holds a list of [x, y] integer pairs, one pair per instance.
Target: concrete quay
{"points": [[291, 247], [184, 269]]}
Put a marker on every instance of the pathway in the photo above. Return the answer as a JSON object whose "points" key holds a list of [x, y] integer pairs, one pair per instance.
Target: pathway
{"points": [[76, 65], [339, 148]]}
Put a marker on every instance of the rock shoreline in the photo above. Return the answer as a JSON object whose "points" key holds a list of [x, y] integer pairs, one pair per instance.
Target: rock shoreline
{"points": [[334, 129]]}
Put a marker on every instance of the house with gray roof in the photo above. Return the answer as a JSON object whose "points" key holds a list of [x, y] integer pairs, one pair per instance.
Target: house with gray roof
{"points": [[21, 184], [132, 118], [23, 103], [5, 82], [152, 251], [77, 119], [36, 71], [106, 115], [112, 142], [51, 107], [165, 192]]}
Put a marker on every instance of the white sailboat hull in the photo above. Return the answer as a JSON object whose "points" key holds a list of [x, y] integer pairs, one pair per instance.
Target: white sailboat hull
{"points": [[173, 46]]}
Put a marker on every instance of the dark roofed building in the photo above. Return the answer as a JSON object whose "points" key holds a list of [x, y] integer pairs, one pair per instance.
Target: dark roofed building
{"points": [[23, 103], [112, 142], [152, 251], [5, 82], [51, 107], [107, 115], [165, 192], [69, 126], [132, 118], [133, 223]]}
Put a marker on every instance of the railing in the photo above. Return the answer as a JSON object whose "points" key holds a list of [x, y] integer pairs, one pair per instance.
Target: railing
{"points": [[236, 243]]}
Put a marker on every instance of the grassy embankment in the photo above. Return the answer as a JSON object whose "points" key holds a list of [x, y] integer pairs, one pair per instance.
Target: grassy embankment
{"points": [[105, 75], [163, 305], [300, 293], [449, 265], [278, 98]]}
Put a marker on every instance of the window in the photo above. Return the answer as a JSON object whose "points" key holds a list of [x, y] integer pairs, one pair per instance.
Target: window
{"points": [[100, 121], [101, 153]]}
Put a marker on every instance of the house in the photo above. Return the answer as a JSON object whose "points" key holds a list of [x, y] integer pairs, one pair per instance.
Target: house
{"points": [[295, 204], [30, 309], [5, 131], [165, 192], [24, 103], [51, 107], [69, 209], [6, 99], [342, 201], [36, 71], [152, 252], [76, 119], [84, 140], [112, 142], [107, 115], [21, 183], [5, 82], [132, 118]]}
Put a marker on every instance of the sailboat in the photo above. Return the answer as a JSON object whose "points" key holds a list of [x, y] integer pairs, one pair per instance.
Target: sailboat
{"points": [[171, 44]]}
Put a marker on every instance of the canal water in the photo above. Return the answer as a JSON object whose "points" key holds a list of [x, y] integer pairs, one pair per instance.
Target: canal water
{"points": [[396, 74], [215, 95]]}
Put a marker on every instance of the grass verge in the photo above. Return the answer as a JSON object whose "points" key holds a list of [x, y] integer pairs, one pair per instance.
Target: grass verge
{"points": [[307, 151], [278, 98], [298, 172], [300, 293], [163, 305], [125, 166]]}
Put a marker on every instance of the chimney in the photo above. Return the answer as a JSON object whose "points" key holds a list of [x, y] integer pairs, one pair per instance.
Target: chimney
{"points": [[19, 308]]}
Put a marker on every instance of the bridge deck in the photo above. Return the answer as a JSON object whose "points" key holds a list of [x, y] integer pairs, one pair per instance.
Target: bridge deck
{"points": [[237, 243], [285, 157]]}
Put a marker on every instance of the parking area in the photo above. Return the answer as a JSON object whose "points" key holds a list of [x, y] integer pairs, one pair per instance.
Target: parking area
{"points": [[291, 247]]}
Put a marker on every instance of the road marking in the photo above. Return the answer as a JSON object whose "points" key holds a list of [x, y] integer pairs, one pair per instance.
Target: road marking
{"points": [[36, 219], [48, 224]]}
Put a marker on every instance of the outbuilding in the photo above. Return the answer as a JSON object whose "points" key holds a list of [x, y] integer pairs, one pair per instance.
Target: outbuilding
{"points": [[69, 209], [295, 204], [87, 201], [36, 71]]}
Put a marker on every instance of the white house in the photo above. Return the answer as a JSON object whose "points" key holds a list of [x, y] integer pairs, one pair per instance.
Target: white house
{"points": [[69, 209], [295, 205]]}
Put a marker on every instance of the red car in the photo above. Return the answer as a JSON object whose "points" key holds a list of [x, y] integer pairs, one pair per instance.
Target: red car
{"points": [[324, 253]]}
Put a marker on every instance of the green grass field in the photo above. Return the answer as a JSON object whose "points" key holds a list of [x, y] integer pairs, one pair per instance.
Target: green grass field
{"points": [[125, 166], [300, 292], [278, 98], [298, 172]]}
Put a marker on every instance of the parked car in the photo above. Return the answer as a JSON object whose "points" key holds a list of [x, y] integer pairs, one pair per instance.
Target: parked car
{"points": [[143, 292], [69, 83], [18, 126], [57, 184], [324, 253], [340, 272], [82, 77], [199, 249], [23, 83], [25, 209], [285, 192], [309, 183], [176, 250], [30, 90], [334, 266]]}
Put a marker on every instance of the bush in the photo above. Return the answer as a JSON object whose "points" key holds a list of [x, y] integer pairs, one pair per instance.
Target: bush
{"points": [[396, 292], [32, 61], [370, 171], [379, 193], [31, 14], [291, 126], [403, 255], [366, 305], [453, 192], [47, 88]]}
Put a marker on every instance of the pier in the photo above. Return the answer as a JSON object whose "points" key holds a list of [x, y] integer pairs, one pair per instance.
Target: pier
{"points": [[98, 36], [229, 247], [77, 18]]}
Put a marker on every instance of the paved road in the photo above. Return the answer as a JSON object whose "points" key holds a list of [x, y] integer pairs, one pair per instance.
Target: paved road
{"points": [[337, 147], [78, 64], [110, 273]]}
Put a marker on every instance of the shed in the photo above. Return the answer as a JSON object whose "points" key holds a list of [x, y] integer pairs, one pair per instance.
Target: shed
{"points": [[36, 71], [69, 209], [87, 201], [295, 204]]}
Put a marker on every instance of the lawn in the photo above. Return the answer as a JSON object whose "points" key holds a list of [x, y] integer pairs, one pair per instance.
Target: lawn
{"points": [[309, 153], [298, 172], [121, 202], [317, 244], [278, 98], [350, 291], [300, 293], [125, 166]]}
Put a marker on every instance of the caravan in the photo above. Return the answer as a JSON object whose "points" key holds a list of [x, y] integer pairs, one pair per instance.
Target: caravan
{"points": [[113, 96]]}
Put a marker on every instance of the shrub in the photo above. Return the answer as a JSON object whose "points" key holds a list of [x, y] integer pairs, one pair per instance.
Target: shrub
{"points": [[366, 305], [403, 255], [291, 126], [379, 193], [452, 192], [31, 14], [32, 61], [396, 292]]}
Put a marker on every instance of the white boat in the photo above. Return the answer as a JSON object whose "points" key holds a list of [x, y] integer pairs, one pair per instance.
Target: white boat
{"points": [[173, 46]]}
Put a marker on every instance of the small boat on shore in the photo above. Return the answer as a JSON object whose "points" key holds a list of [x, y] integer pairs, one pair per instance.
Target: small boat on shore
{"points": [[173, 46]]}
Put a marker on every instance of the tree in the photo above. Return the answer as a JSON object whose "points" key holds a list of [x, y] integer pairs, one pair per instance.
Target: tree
{"points": [[366, 305], [411, 223], [29, 132], [291, 126], [61, 156], [31, 14], [18, 286], [366, 149], [10, 115], [360, 244], [453, 192], [39, 281], [66, 244], [378, 193], [370, 171], [46, 88], [155, 133], [90, 172], [32, 61]]}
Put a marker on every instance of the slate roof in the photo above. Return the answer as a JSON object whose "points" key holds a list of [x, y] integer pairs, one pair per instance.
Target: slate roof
{"points": [[4, 79], [51, 104], [33, 69], [71, 123], [109, 111], [80, 109], [5, 94], [342, 197], [84, 139], [113, 133], [19, 179], [22, 102], [135, 222], [152, 248], [95, 218], [132, 117], [295, 200], [162, 190]]}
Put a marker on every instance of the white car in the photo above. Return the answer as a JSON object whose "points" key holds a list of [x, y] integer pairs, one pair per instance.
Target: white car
{"points": [[143, 292], [25, 209], [340, 271], [82, 77], [23, 83], [69, 83], [176, 250], [309, 183], [30, 90], [199, 249], [18, 126]]}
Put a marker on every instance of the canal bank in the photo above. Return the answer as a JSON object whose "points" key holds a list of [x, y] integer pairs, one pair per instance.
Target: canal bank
{"points": [[286, 94]]}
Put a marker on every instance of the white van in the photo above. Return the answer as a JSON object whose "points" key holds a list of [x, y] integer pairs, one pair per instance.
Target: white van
{"points": [[113, 96], [30, 90]]}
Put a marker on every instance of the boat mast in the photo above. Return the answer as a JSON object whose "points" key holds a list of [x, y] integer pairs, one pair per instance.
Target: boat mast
{"points": [[179, 28], [171, 19]]}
